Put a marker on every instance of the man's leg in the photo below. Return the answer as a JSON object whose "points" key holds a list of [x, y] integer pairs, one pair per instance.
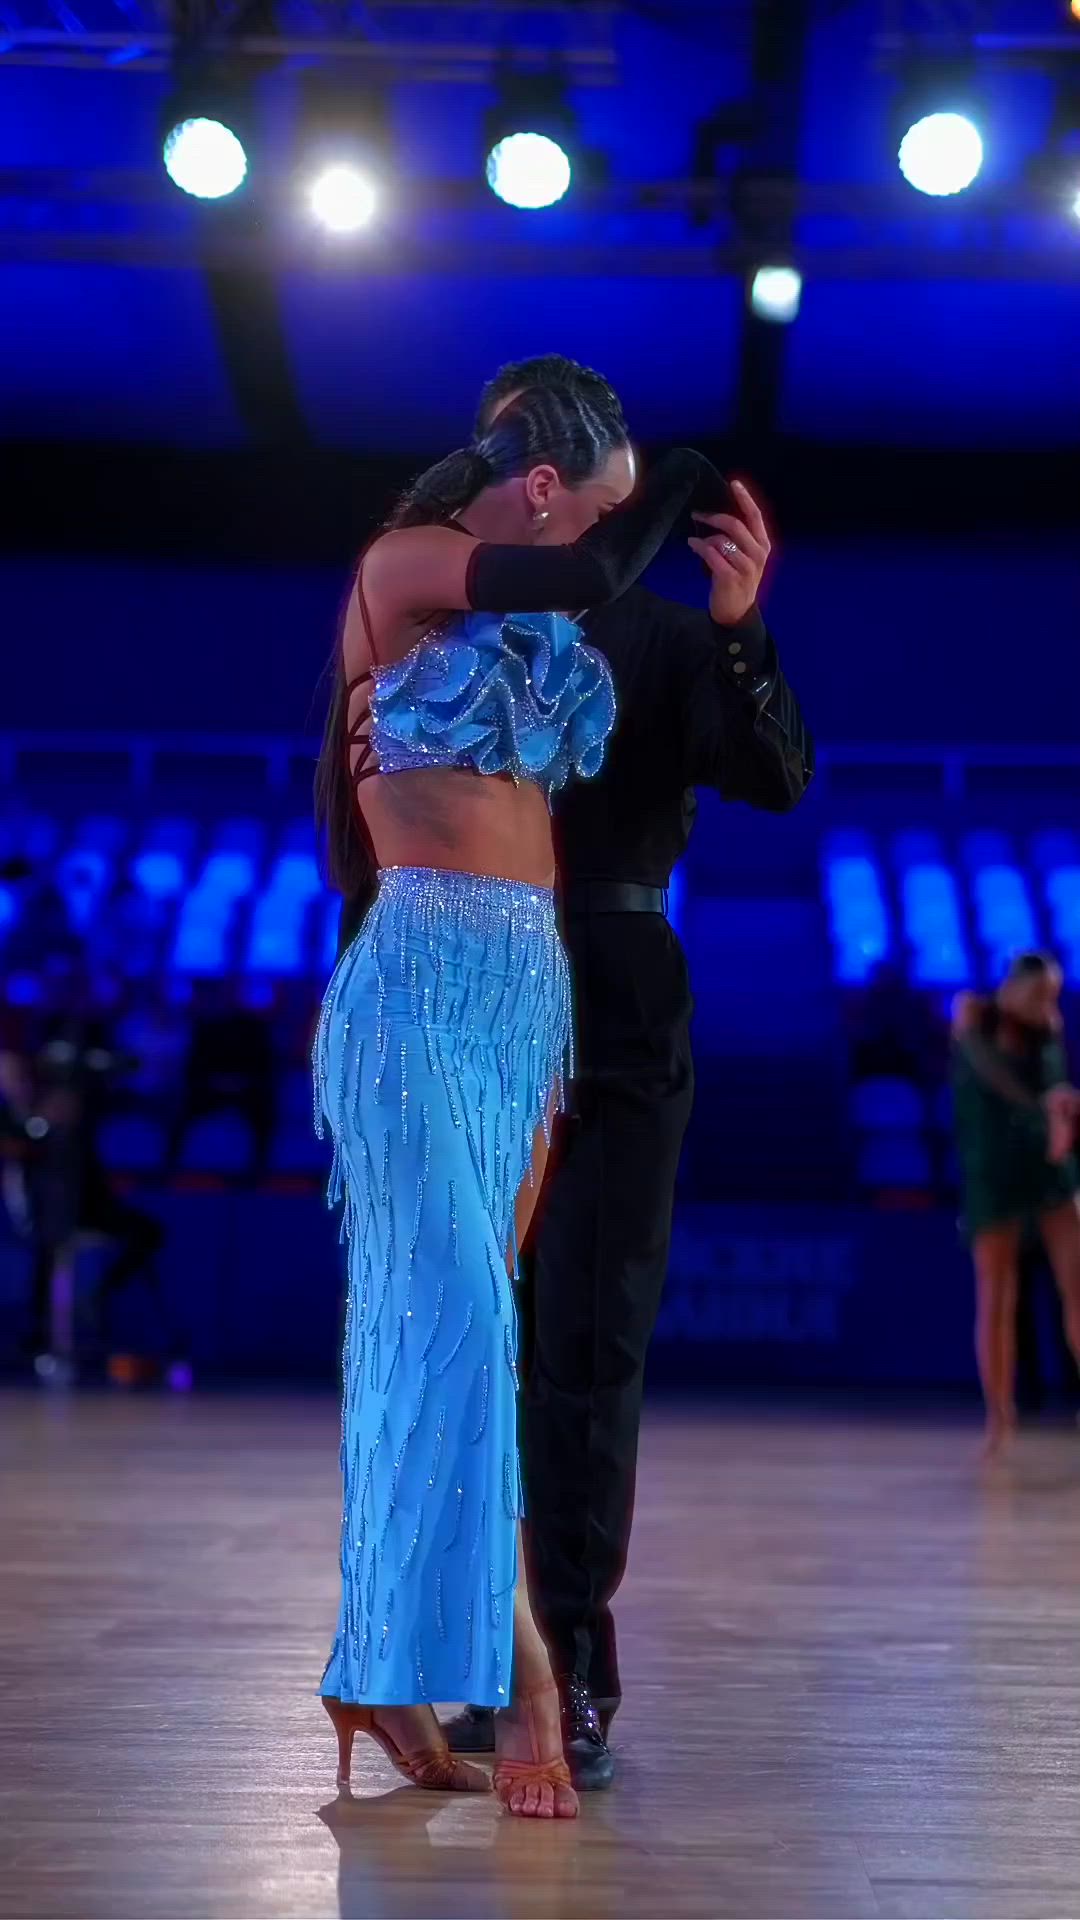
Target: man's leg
{"points": [[599, 1265]]}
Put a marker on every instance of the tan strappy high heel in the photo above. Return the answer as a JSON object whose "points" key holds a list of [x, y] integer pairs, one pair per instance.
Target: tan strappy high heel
{"points": [[510, 1775], [433, 1767]]}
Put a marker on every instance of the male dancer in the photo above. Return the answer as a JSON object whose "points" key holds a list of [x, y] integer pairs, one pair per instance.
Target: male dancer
{"points": [[700, 701]]}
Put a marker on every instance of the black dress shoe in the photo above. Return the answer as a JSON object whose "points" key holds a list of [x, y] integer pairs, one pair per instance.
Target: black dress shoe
{"points": [[471, 1731], [606, 1709], [592, 1767]]}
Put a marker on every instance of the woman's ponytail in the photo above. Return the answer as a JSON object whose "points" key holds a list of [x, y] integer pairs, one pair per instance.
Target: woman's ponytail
{"points": [[445, 489]]}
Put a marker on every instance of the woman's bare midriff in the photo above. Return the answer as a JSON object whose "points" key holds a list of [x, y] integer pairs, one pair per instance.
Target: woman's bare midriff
{"points": [[470, 822]]}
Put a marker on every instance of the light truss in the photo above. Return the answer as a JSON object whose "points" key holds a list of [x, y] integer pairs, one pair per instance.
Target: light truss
{"points": [[1008, 30], [422, 40]]}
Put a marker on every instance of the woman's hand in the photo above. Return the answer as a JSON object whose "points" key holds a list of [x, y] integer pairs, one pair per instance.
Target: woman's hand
{"points": [[735, 552]]}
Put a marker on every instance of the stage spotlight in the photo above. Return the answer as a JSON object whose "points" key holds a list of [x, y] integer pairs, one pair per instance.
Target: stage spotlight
{"points": [[343, 198], [530, 140], [941, 153], [775, 293], [205, 158], [528, 170], [345, 153], [1074, 9]]}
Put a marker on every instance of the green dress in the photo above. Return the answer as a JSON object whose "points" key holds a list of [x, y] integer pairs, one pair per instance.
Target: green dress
{"points": [[1002, 1135]]}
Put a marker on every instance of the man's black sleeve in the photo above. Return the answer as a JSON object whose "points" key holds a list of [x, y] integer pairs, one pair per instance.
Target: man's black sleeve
{"points": [[736, 718], [609, 556]]}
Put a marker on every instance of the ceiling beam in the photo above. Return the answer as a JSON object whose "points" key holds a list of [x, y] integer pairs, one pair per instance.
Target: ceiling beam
{"points": [[781, 40], [241, 282], [694, 261], [765, 196], [246, 307]]}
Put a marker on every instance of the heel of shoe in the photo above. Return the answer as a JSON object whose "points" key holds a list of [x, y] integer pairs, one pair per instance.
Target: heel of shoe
{"points": [[348, 1720]]}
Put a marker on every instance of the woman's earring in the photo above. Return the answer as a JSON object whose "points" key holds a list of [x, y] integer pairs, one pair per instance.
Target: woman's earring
{"points": [[539, 518]]}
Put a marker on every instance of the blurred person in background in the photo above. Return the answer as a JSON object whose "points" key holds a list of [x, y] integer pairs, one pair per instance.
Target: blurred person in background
{"points": [[1016, 1117], [897, 1034], [130, 931], [230, 1068], [42, 929], [152, 1033], [57, 1058]]}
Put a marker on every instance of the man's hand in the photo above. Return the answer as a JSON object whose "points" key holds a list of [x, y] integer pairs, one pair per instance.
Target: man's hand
{"points": [[735, 552]]}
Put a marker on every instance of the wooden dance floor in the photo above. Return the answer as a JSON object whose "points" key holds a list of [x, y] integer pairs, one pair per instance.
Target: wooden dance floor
{"points": [[853, 1664]]}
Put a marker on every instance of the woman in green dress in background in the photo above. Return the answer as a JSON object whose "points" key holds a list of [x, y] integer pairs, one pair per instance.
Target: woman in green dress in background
{"points": [[1016, 1117]]}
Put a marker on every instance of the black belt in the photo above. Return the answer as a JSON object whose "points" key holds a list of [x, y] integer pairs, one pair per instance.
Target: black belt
{"points": [[612, 896]]}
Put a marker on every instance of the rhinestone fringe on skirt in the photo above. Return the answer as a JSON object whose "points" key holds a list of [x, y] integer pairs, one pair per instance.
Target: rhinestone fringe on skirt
{"points": [[442, 1045]]}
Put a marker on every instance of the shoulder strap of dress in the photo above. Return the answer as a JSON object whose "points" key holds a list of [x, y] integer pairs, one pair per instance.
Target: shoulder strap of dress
{"points": [[365, 615]]}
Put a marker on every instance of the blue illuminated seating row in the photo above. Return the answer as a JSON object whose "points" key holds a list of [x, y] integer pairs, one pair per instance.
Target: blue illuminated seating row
{"points": [[950, 912], [168, 896]]}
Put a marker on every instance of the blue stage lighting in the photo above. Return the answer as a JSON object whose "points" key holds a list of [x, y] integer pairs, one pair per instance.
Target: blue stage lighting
{"points": [[343, 198], [528, 170], [346, 152], [204, 158], [530, 138], [941, 153], [775, 293]]}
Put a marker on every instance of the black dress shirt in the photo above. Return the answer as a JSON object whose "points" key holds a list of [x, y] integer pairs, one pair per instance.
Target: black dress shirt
{"points": [[696, 705]]}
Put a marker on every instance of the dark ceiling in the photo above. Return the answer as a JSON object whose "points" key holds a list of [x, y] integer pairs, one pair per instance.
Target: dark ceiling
{"points": [[163, 342]]}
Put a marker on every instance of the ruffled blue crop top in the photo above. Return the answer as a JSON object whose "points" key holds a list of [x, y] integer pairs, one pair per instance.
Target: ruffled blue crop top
{"points": [[516, 693], [497, 691]]}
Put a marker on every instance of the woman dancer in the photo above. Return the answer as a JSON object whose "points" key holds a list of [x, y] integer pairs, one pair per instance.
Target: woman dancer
{"points": [[442, 1041], [1015, 1120]]}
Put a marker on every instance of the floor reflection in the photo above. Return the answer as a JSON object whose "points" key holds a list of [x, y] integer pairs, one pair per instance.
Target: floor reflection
{"points": [[408, 1853]]}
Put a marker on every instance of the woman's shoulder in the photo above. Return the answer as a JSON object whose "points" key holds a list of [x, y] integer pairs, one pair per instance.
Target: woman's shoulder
{"points": [[409, 582], [397, 547], [971, 1013]]}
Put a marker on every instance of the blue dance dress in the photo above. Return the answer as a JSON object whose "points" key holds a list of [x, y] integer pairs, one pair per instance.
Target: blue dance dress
{"points": [[442, 1046]]}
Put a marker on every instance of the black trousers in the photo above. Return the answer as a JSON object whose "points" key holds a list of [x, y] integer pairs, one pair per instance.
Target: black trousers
{"points": [[595, 1273]]}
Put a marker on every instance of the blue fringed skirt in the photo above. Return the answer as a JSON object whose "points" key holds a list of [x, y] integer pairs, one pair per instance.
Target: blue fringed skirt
{"points": [[442, 1044]]}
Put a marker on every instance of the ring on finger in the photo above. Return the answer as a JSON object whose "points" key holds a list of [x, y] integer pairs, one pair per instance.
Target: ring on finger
{"points": [[730, 547]]}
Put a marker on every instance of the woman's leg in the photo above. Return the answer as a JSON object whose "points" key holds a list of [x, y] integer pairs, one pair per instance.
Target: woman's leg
{"points": [[529, 1191], [531, 1729], [1061, 1237], [428, 1419], [425, 1084], [996, 1253]]}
